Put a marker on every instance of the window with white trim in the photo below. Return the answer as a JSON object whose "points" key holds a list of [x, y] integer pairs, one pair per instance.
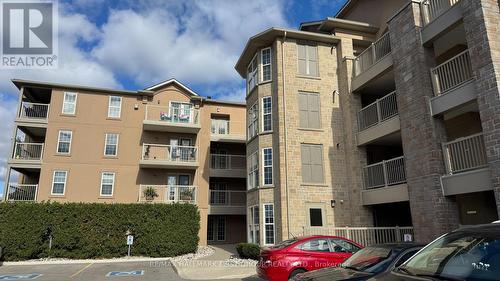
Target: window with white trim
{"points": [[69, 103], [267, 165], [252, 74], [267, 118], [268, 224], [64, 142], [253, 171], [253, 120], [111, 145], [59, 182], [253, 225], [265, 57], [114, 107], [107, 183], [308, 60]]}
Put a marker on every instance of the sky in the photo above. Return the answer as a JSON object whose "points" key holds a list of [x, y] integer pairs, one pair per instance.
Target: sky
{"points": [[132, 44]]}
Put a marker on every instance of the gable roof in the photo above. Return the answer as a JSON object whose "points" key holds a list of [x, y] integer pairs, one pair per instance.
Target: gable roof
{"points": [[172, 81]]}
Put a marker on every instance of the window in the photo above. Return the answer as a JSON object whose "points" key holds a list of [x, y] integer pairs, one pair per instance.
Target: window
{"points": [[253, 121], [253, 171], [220, 126], [315, 217], [308, 60], [59, 182], [340, 245], [265, 56], [309, 110], [111, 145], [267, 119], [312, 163], [315, 245], [107, 183], [267, 163], [253, 225], [69, 103], [64, 142], [268, 224], [114, 107], [252, 75]]}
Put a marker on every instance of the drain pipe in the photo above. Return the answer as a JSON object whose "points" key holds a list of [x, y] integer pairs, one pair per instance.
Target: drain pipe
{"points": [[286, 135]]}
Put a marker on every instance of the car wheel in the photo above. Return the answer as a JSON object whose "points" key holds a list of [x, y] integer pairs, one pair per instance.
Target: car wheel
{"points": [[295, 272]]}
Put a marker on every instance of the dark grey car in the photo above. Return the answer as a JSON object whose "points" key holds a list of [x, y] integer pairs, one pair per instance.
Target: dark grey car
{"points": [[366, 263], [467, 254]]}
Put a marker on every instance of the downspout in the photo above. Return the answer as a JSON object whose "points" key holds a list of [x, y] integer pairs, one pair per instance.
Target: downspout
{"points": [[286, 135]]}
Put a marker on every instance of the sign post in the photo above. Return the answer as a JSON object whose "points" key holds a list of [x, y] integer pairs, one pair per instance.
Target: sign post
{"points": [[130, 241]]}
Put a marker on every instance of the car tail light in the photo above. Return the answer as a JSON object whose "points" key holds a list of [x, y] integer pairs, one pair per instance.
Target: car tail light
{"points": [[276, 257]]}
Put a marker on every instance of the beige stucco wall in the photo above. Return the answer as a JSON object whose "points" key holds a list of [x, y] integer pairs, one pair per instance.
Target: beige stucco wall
{"points": [[86, 160]]}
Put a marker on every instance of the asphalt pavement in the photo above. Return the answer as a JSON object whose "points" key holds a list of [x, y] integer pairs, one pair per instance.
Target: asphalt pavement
{"points": [[116, 271]]}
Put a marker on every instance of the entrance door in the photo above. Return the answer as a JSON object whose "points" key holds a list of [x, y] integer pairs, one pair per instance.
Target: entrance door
{"points": [[185, 150], [174, 149], [178, 187], [172, 188], [216, 229]]}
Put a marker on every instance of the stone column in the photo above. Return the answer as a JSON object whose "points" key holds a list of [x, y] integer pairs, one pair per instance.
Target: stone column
{"points": [[422, 135], [482, 31], [355, 158]]}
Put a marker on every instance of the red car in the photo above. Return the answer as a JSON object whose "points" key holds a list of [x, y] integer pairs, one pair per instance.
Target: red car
{"points": [[288, 258]]}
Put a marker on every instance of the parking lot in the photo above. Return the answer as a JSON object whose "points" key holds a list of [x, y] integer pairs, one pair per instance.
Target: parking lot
{"points": [[146, 271]]}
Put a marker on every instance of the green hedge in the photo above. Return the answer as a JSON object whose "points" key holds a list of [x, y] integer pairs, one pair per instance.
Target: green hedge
{"points": [[82, 231], [248, 251]]}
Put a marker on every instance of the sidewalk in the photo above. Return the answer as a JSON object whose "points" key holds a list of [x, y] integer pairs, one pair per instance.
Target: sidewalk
{"points": [[219, 265]]}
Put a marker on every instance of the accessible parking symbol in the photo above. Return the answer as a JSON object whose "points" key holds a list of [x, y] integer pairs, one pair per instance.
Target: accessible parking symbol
{"points": [[124, 273], [30, 276]]}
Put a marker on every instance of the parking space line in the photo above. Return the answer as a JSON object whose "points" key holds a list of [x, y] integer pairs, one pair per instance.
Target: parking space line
{"points": [[81, 270]]}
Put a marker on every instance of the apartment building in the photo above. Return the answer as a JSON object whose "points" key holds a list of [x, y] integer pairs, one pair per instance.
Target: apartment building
{"points": [[163, 144], [385, 115]]}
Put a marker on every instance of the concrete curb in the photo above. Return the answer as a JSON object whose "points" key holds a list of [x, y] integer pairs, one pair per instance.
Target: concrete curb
{"points": [[212, 272], [83, 261]]}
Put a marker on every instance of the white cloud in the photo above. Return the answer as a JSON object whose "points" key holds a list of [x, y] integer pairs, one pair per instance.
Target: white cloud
{"points": [[7, 114], [198, 44], [75, 65]]}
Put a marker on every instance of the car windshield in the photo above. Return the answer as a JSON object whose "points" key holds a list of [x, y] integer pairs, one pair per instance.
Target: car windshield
{"points": [[284, 244], [371, 259], [459, 255]]}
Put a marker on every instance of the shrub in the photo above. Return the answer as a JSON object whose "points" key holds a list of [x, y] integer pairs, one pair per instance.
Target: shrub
{"points": [[248, 251], [82, 231]]}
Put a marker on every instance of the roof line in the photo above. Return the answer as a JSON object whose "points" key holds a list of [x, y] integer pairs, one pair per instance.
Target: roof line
{"points": [[41, 84], [169, 81]]}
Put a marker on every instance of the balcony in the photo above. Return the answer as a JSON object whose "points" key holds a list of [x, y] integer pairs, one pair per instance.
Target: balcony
{"points": [[171, 119], [227, 166], [33, 114], [372, 62], [227, 202], [227, 131], [167, 194], [22, 192], [379, 120], [466, 166], [169, 156], [385, 182], [453, 83], [27, 155], [438, 16]]}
